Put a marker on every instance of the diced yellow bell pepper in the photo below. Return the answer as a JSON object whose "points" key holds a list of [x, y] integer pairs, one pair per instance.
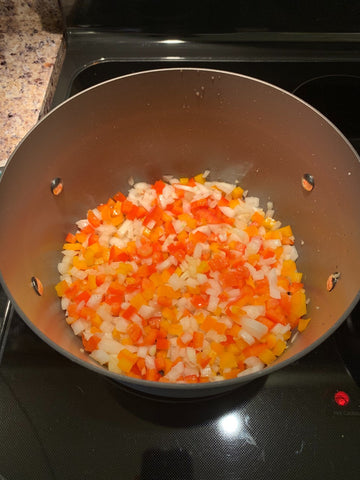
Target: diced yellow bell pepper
{"points": [[271, 340], [80, 264], [116, 334], [169, 314], [188, 219], [272, 234], [214, 247], [165, 275], [287, 335], [237, 192], [137, 301], [217, 347], [96, 320], [233, 348], [182, 236], [252, 230], [279, 348], [199, 178], [234, 203], [72, 246], [117, 220], [298, 305], [227, 360], [253, 259], [167, 291], [91, 282], [61, 287], [203, 267], [148, 293], [289, 271], [126, 360], [286, 231], [267, 356], [269, 223], [156, 279], [303, 323], [258, 218], [176, 329], [296, 277], [124, 268]]}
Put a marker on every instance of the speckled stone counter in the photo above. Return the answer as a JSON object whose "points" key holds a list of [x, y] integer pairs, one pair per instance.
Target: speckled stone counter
{"points": [[31, 52]]}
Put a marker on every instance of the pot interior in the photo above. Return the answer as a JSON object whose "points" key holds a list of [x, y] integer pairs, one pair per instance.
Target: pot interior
{"points": [[181, 122]]}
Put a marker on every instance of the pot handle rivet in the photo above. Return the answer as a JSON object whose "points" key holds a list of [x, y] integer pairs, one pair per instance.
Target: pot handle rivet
{"points": [[56, 186], [37, 286], [308, 182], [332, 281]]}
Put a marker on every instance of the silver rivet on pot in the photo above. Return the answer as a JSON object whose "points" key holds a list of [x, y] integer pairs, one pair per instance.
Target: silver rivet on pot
{"points": [[57, 186], [308, 182], [332, 281], [37, 286]]}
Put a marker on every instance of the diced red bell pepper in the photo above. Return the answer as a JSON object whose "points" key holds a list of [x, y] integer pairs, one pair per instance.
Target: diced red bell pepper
{"points": [[91, 344], [70, 238], [134, 332], [159, 186], [129, 312], [93, 219], [200, 301], [119, 197]]}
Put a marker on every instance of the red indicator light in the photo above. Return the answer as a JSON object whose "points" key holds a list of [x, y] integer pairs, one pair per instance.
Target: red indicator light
{"points": [[341, 398]]}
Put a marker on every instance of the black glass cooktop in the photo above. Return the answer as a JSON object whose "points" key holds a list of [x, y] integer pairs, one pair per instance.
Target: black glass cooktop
{"points": [[62, 421]]}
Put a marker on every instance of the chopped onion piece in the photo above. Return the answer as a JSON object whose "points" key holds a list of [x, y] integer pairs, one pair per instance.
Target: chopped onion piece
{"points": [[245, 335], [254, 311], [175, 372], [255, 328], [183, 257]]}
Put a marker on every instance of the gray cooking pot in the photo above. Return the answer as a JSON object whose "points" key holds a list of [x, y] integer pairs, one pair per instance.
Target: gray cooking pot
{"points": [[181, 122]]}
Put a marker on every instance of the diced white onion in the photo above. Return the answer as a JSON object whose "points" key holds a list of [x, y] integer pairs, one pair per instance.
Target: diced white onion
{"points": [[121, 324], [186, 337], [249, 339], [256, 274], [248, 371], [176, 371], [254, 311], [191, 355], [167, 263], [252, 201], [213, 303], [109, 345], [273, 287], [198, 250], [146, 311], [149, 362], [94, 300], [142, 351], [255, 328], [79, 326], [113, 364], [280, 329], [152, 350], [253, 362], [228, 211], [253, 246], [290, 252], [65, 302]]}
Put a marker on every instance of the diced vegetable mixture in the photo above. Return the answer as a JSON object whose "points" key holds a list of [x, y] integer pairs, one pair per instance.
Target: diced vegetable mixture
{"points": [[186, 280]]}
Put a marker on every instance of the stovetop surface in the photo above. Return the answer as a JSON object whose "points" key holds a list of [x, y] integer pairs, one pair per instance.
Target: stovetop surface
{"points": [[62, 421]]}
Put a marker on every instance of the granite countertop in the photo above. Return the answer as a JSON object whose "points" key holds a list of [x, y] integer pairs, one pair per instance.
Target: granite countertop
{"points": [[31, 53]]}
